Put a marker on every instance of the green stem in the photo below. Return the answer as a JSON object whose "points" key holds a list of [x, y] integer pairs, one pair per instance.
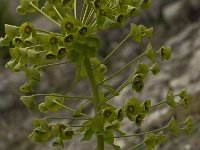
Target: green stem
{"points": [[68, 108], [35, 46], [39, 30], [141, 134], [39, 10], [119, 89], [160, 103], [93, 21], [116, 48], [108, 3], [139, 144], [96, 101], [54, 64], [94, 24], [124, 68], [67, 97], [85, 12], [67, 118], [82, 10], [89, 16], [75, 9], [56, 10], [78, 126]]}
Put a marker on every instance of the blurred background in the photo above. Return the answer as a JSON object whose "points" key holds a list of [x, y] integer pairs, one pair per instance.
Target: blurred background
{"points": [[176, 23]]}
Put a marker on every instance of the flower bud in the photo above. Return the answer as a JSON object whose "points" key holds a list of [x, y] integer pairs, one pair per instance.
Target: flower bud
{"points": [[50, 56]]}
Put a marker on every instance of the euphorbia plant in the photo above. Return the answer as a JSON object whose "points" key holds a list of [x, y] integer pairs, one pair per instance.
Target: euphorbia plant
{"points": [[77, 42]]}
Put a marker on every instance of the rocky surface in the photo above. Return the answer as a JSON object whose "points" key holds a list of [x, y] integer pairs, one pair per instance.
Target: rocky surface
{"points": [[176, 24]]}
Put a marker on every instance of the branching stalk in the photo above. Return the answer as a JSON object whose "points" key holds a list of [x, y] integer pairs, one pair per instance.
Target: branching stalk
{"points": [[124, 68], [54, 64], [39, 10], [96, 101], [68, 108], [67, 97], [56, 10], [66, 118]]}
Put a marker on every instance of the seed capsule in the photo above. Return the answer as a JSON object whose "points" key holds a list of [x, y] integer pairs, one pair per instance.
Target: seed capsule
{"points": [[69, 38], [62, 51], [18, 40], [107, 113], [139, 119], [138, 83], [83, 31], [69, 26], [53, 40], [50, 56], [120, 18], [97, 3], [28, 29], [130, 109]]}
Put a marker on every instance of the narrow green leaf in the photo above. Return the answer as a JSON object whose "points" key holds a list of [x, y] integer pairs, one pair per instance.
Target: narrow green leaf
{"points": [[88, 135]]}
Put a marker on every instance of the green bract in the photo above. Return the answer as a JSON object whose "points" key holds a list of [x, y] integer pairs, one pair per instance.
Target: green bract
{"points": [[185, 101], [160, 137], [188, 125], [172, 126], [149, 53], [150, 140], [50, 104], [29, 102], [41, 132], [136, 33], [170, 99], [25, 6], [155, 69], [142, 69]]}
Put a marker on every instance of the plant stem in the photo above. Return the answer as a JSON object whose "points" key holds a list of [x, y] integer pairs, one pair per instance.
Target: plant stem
{"points": [[67, 118], [39, 30], [96, 101], [67, 97], [139, 144], [116, 48], [141, 134], [119, 89], [68, 108], [39, 10], [124, 68], [82, 10], [85, 12], [56, 10], [160, 103], [75, 9], [54, 64], [89, 16]]}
